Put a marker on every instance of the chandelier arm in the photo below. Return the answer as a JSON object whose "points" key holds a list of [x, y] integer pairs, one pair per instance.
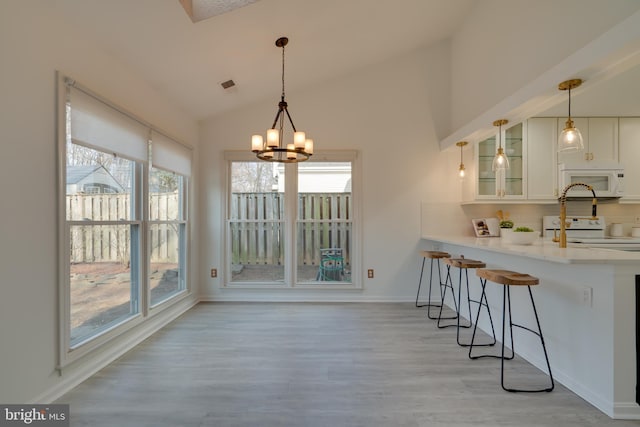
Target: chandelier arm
{"points": [[286, 110], [273, 126]]}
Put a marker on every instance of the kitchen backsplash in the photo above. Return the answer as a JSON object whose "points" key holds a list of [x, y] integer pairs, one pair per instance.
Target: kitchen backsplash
{"points": [[455, 219]]}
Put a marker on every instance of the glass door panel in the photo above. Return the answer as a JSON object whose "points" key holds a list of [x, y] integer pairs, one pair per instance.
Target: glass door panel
{"points": [[256, 223], [324, 224]]}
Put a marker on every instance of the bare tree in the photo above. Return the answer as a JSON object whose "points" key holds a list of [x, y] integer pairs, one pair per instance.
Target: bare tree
{"points": [[252, 177]]}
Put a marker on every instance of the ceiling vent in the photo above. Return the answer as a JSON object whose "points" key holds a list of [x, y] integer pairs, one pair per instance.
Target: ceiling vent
{"points": [[228, 84]]}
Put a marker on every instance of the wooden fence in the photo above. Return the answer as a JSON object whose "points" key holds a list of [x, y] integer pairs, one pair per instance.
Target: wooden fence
{"points": [[257, 227], [110, 243]]}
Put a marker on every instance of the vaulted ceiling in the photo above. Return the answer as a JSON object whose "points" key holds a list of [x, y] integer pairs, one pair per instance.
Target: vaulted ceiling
{"points": [[187, 61]]}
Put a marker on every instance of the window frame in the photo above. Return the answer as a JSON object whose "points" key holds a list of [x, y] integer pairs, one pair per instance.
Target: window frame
{"points": [[68, 354], [183, 257], [291, 221]]}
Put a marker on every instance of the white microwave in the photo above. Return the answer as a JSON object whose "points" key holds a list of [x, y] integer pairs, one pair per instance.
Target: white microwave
{"points": [[606, 179]]}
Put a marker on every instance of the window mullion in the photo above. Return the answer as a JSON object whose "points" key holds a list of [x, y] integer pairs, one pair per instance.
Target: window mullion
{"points": [[142, 184], [291, 216]]}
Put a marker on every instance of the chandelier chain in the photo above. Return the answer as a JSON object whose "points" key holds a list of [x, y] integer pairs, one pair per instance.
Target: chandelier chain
{"points": [[283, 72]]}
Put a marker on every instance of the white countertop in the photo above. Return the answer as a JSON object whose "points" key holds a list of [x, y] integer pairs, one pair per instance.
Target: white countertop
{"points": [[543, 249]]}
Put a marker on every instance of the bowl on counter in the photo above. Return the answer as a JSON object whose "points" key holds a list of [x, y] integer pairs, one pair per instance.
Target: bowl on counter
{"points": [[519, 237]]}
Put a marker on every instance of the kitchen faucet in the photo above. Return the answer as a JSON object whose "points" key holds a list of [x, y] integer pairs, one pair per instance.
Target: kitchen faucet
{"points": [[563, 211]]}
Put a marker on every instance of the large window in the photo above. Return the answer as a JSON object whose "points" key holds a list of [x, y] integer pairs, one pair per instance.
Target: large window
{"points": [[104, 243], [124, 221], [167, 235], [293, 225]]}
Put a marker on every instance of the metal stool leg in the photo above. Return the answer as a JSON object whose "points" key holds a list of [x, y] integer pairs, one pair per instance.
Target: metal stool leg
{"points": [[460, 304], [448, 283], [507, 297], [429, 304], [483, 297], [420, 284]]}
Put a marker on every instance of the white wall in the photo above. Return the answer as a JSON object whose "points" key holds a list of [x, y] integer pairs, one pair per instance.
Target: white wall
{"points": [[34, 43], [505, 44], [387, 113]]}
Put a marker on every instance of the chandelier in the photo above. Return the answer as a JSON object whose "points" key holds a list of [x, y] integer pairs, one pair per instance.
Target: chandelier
{"points": [[275, 149]]}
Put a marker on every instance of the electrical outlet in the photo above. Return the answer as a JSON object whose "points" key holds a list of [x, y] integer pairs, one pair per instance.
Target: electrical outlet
{"points": [[637, 219], [370, 273], [587, 296], [214, 272]]}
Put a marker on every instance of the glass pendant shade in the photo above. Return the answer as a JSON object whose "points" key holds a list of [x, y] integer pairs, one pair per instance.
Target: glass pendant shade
{"points": [[570, 138], [461, 169], [500, 161]]}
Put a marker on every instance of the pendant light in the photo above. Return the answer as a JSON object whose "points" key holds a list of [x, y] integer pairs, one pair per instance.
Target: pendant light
{"points": [[570, 138], [461, 171], [500, 161], [275, 149]]}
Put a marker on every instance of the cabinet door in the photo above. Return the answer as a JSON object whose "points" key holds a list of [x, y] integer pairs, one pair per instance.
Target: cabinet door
{"points": [[629, 147], [541, 158], [603, 138], [513, 182], [600, 137], [507, 184], [582, 123], [487, 183]]}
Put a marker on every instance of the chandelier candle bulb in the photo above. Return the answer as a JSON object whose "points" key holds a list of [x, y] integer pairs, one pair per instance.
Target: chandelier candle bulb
{"points": [[256, 143], [299, 139], [273, 138], [290, 151], [308, 146]]}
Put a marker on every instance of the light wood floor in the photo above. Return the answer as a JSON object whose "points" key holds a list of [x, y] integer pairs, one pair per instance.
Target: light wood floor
{"points": [[292, 364]]}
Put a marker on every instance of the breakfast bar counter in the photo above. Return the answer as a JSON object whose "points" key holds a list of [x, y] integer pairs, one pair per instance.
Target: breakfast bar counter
{"points": [[586, 302], [542, 249]]}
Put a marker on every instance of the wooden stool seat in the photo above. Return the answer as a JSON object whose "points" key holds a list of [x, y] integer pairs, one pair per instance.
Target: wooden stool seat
{"points": [[507, 277], [464, 263], [434, 254]]}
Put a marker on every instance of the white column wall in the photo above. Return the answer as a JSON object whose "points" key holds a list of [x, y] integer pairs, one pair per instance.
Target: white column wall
{"points": [[387, 112], [34, 43]]}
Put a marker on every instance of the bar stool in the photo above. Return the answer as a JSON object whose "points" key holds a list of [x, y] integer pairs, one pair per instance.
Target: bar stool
{"points": [[437, 256], [507, 279], [465, 264]]}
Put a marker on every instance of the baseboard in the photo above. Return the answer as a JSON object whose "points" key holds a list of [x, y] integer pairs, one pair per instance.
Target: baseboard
{"points": [[72, 377], [626, 411], [300, 297]]}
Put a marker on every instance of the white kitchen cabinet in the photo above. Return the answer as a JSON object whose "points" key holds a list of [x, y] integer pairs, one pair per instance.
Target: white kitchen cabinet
{"points": [[600, 137], [542, 173], [629, 149], [509, 184]]}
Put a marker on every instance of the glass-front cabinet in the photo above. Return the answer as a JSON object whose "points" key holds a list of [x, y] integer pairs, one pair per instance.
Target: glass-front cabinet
{"points": [[508, 184]]}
